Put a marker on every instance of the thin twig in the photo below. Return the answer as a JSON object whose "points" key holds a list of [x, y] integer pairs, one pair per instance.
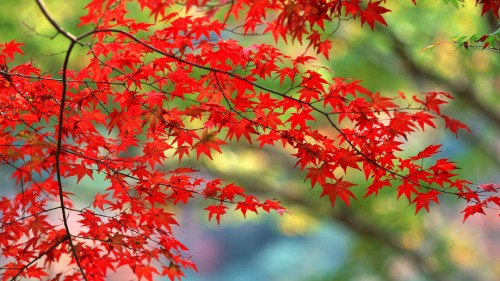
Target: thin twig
{"points": [[56, 25], [74, 41]]}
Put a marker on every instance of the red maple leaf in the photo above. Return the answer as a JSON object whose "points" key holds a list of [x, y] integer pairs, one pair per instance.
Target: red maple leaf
{"points": [[473, 209], [208, 142], [10, 49], [422, 200], [230, 191], [217, 210], [373, 13], [455, 125], [338, 189], [427, 152], [78, 170], [490, 187], [36, 272], [300, 118], [100, 200], [324, 48], [407, 188], [319, 175], [492, 5], [381, 103], [250, 204]]}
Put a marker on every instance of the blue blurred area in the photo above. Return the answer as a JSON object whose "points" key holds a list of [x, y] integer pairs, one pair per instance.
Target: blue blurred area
{"points": [[258, 251]]}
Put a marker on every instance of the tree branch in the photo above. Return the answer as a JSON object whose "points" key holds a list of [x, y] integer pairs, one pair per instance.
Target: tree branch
{"points": [[56, 25], [40, 256], [60, 130]]}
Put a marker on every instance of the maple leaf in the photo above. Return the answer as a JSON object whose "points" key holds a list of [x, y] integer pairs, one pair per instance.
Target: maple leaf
{"points": [[78, 170], [375, 187], [160, 219], [443, 166], [307, 94], [207, 142], [373, 13], [469, 196], [303, 59], [423, 119], [495, 200], [180, 195], [473, 209], [39, 225], [300, 118], [136, 27], [4, 204], [407, 188], [100, 200], [273, 205], [490, 187], [422, 200], [11, 48], [276, 30], [212, 188], [313, 81], [455, 125], [217, 210], [146, 271], [182, 150], [427, 152], [250, 204], [347, 158], [338, 189], [230, 191], [286, 72], [380, 103], [243, 127], [36, 272], [492, 5], [173, 272], [269, 138], [433, 103], [319, 175]]}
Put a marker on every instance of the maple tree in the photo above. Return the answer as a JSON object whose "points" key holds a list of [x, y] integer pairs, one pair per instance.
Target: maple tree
{"points": [[174, 85]]}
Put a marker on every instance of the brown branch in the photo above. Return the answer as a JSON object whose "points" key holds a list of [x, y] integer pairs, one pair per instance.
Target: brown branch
{"points": [[60, 130], [40, 256], [56, 25]]}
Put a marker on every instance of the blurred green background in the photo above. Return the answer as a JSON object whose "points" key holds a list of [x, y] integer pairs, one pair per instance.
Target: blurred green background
{"points": [[377, 238]]}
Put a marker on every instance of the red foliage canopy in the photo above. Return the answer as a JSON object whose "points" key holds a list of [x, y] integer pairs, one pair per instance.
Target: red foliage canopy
{"points": [[178, 86]]}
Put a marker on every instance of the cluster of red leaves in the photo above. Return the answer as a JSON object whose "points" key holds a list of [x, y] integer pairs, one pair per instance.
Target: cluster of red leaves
{"points": [[489, 5], [152, 93]]}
